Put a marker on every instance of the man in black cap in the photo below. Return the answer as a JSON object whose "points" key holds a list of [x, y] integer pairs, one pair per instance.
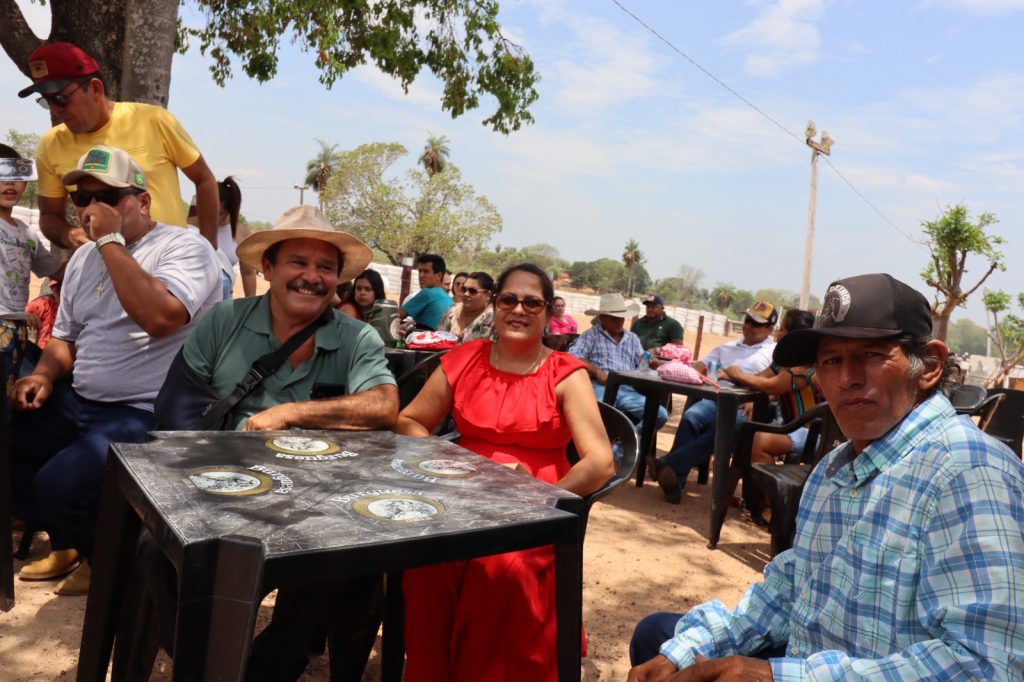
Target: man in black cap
{"points": [[909, 549], [655, 329]]}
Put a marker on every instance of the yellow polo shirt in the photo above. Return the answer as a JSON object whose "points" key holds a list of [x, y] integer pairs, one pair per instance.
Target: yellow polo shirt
{"points": [[150, 134]]}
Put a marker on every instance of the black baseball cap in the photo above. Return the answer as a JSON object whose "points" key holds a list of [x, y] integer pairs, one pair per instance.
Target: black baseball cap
{"points": [[874, 306]]}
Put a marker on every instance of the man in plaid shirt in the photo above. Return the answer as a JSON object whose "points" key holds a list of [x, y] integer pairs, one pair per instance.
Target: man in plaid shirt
{"points": [[908, 561]]}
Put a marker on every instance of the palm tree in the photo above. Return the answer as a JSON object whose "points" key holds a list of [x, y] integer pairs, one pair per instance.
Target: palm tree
{"points": [[320, 167], [632, 256], [435, 154]]}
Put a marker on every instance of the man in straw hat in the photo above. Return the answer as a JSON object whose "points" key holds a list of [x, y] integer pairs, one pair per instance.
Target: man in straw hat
{"points": [[695, 436], [610, 347], [130, 297], [907, 561], [337, 379]]}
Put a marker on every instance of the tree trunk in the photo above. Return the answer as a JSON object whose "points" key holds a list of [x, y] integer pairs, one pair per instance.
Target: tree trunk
{"points": [[131, 40]]}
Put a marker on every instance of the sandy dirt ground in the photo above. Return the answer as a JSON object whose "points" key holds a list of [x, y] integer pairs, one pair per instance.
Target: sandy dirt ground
{"points": [[641, 555]]}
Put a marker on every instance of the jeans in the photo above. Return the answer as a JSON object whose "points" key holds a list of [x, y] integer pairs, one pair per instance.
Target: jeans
{"points": [[695, 439], [226, 285], [59, 454], [657, 628], [632, 403]]}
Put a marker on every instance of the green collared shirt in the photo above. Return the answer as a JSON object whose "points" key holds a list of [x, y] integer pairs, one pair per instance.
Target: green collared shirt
{"points": [[235, 333], [657, 334]]}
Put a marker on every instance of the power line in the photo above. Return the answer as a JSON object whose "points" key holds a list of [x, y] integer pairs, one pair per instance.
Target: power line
{"points": [[753, 106]]}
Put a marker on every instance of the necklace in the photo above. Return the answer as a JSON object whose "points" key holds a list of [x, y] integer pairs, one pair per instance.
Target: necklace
{"points": [[502, 360], [102, 283]]}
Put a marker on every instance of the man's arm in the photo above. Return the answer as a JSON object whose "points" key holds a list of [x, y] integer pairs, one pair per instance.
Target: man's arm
{"points": [[581, 349], [766, 380], [374, 408], [53, 223], [207, 198], [31, 392]]}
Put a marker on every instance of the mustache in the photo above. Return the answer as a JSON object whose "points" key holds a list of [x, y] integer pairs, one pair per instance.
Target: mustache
{"points": [[318, 289]]}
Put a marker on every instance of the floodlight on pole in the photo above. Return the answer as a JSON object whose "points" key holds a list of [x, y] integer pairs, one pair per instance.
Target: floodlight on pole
{"points": [[302, 192], [817, 148]]}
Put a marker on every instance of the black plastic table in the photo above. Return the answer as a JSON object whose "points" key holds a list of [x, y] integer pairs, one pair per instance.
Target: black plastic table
{"points": [[654, 390], [236, 512]]}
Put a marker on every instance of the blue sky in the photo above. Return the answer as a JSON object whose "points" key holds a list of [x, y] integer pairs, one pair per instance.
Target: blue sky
{"points": [[925, 101]]}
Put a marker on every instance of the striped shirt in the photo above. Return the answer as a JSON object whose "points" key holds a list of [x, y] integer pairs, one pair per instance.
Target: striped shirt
{"points": [[599, 349], [908, 564]]}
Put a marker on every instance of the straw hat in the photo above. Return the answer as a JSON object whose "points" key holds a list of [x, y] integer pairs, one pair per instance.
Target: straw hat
{"points": [[615, 306], [306, 222]]}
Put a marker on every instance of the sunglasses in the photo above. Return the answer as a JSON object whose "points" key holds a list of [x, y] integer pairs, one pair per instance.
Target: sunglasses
{"points": [[754, 323], [473, 291], [111, 197], [47, 101], [531, 304]]}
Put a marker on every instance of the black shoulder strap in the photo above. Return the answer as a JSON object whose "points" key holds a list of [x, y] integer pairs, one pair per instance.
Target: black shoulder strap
{"points": [[263, 367]]}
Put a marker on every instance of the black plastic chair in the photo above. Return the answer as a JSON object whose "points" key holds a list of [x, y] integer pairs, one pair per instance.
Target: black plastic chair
{"points": [[619, 429], [410, 383], [1007, 424], [6, 553], [966, 398]]}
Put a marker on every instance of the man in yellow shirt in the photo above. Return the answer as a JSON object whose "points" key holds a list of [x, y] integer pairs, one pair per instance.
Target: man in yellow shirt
{"points": [[72, 88]]}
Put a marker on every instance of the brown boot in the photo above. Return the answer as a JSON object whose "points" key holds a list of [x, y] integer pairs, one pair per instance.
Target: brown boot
{"points": [[76, 584], [53, 565]]}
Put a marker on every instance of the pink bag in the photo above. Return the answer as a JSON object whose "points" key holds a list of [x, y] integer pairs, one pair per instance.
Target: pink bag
{"points": [[680, 372], [676, 351]]}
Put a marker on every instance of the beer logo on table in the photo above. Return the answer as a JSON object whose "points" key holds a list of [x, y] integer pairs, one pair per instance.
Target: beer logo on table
{"points": [[303, 447], [399, 508], [445, 468], [231, 481]]}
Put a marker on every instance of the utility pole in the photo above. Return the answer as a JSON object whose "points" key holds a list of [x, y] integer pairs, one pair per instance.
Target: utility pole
{"points": [[817, 148], [302, 192]]}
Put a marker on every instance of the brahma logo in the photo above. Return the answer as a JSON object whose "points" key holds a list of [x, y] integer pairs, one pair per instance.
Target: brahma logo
{"points": [[835, 307]]}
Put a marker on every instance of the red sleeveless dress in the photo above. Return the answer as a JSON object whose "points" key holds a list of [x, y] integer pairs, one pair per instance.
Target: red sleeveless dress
{"points": [[493, 618]]}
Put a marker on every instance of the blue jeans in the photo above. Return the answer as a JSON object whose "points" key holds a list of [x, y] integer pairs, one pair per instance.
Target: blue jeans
{"points": [[226, 285], [58, 456], [695, 439], [657, 628]]}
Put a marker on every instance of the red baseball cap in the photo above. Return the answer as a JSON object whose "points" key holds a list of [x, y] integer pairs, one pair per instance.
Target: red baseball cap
{"points": [[54, 65]]}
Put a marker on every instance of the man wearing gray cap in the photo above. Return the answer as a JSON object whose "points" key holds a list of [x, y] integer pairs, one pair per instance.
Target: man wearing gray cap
{"points": [[908, 561], [130, 297]]}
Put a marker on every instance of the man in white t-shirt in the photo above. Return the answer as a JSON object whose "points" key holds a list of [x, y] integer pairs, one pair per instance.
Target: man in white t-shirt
{"points": [[695, 437], [130, 298]]}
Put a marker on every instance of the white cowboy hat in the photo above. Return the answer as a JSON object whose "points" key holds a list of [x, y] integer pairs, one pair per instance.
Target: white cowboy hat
{"points": [[306, 222], [615, 306]]}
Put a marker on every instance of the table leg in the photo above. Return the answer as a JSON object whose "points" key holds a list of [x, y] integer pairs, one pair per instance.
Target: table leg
{"points": [[569, 606], [725, 443], [393, 640], [111, 566], [648, 434], [214, 633]]}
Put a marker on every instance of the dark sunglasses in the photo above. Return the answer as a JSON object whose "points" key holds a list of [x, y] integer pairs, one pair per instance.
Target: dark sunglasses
{"points": [[111, 197], [473, 291], [531, 304], [754, 323], [47, 101]]}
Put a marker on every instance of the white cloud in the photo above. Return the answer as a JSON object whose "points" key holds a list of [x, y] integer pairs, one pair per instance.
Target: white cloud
{"points": [[783, 37], [420, 91], [977, 6]]}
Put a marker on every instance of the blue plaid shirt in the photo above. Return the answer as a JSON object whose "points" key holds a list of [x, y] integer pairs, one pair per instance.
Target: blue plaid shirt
{"points": [[599, 349], [908, 564]]}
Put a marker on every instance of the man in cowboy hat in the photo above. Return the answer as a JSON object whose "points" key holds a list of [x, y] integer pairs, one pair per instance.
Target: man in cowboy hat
{"points": [[608, 347], [130, 297], [695, 437], [337, 379], [906, 564]]}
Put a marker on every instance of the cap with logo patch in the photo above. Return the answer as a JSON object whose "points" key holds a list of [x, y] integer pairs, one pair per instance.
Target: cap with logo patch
{"points": [[873, 306], [54, 65], [763, 312], [111, 166]]}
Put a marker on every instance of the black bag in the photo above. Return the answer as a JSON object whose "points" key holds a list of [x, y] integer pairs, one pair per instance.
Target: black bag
{"points": [[187, 403]]}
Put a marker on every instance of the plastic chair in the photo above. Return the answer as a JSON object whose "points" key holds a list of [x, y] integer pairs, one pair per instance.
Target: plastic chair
{"points": [[965, 397], [559, 341], [619, 429], [783, 484], [1007, 424], [410, 383]]}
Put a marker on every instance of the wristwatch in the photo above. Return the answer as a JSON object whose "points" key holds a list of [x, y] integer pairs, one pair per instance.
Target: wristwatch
{"points": [[107, 238]]}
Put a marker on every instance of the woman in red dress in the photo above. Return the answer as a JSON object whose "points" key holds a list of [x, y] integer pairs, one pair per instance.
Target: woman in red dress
{"points": [[513, 401]]}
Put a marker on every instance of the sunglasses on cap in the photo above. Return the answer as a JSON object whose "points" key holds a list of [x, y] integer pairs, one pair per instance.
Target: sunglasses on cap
{"points": [[47, 101], [111, 197], [531, 304]]}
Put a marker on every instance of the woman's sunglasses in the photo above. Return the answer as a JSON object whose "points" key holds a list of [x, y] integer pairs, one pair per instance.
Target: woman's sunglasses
{"points": [[473, 291], [531, 304], [111, 197]]}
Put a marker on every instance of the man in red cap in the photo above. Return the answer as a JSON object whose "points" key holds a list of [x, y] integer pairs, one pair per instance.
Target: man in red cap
{"points": [[70, 85]]}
